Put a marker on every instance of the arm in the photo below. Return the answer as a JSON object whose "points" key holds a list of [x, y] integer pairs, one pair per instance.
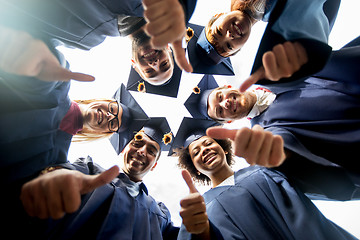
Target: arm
{"points": [[21, 54], [55, 193], [256, 145]]}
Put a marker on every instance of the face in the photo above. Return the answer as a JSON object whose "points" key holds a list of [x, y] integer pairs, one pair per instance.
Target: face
{"points": [[207, 155], [154, 66], [140, 157], [102, 117], [229, 32], [228, 104]]}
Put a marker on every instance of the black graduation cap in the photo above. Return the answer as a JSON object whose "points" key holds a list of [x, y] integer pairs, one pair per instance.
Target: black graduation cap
{"points": [[197, 103], [190, 130], [170, 88], [158, 129], [203, 57], [132, 120]]}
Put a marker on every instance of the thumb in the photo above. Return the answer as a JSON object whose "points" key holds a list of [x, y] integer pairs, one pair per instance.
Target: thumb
{"points": [[256, 76], [221, 133], [54, 72], [186, 176], [180, 57], [92, 182]]}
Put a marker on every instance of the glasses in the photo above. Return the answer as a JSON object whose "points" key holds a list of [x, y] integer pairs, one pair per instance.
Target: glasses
{"points": [[113, 124]]}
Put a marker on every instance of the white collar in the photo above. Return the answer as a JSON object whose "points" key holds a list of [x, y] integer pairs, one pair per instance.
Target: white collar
{"points": [[230, 181], [263, 100]]}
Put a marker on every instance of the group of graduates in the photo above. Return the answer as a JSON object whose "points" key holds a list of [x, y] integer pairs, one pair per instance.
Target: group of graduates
{"points": [[305, 118]]}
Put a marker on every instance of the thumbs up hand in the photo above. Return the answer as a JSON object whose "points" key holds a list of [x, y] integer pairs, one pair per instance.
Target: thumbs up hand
{"points": [[193, 210], [56, 193]]}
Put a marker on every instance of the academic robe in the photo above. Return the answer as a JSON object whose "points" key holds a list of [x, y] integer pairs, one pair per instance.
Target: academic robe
{"points": [[319, 120], [307, 22], [81, 24], [263, 204], [110, 212]]}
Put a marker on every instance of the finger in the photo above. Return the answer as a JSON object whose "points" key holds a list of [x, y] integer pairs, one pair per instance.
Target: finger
{"points": [[54, 72], [193, 199], [301, 53], [254, 145], [277, 155], [270, 66], [256, 76], [55, 202], [155, 11], [221, 133], [92, 182], [27, 200], [186, 175], [241, 142], [148, 3], [180, 57], [264, 153]]}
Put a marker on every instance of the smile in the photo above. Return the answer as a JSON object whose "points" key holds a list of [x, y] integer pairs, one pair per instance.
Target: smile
{"points": [[237, 29], [134, 159], [234, 104], [100, 116], [150, 54], [209, 158]]}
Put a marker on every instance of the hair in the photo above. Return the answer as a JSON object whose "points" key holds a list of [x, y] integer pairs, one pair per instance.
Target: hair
{"points": [[218, 120], [85, 136], [185, 161]]}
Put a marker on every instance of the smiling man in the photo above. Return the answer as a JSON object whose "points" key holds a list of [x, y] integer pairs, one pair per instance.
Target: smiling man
{"points": [[317, 117], [122, 209]]}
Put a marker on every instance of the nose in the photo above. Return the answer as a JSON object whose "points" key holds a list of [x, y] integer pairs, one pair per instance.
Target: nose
{"points": [[154, 64], [205, 151], [229, 35], [225, 104], [141, 151], [110, 116]]}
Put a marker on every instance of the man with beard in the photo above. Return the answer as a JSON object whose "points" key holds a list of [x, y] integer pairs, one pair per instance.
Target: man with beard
{"points": [[121, 209], [317, 117]]}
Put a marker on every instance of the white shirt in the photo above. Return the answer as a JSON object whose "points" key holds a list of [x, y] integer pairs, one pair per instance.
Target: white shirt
{"points": [[264, 99], [230, 181]]}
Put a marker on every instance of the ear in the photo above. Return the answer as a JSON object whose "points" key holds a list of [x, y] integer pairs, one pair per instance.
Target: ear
{"points": [[153, 166]]}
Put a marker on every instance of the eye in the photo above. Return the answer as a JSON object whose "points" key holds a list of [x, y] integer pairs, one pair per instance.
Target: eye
{"points": [[149, 70], [229, 46], [163, 64], [208, 143], [218, 31]]}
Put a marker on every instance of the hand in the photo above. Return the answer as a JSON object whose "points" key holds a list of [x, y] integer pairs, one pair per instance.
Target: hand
{"points": [[166, 24], [56, 193], [21, 54], [193, 209], [282, 62], [255, 145]]}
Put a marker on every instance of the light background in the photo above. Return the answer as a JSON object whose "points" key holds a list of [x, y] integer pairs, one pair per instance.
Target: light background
{"points": [[110, 64]]}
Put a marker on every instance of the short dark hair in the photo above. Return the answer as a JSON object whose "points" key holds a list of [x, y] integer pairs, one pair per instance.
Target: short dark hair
{"points": [[185, 161]]}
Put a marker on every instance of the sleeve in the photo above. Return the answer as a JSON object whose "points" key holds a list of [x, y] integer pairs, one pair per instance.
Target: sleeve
{"points": [[315, 177], [169, 231], [214, 233]]}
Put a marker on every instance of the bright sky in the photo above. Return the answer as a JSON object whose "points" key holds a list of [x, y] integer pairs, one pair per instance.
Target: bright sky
{"points": [[110, 64]]}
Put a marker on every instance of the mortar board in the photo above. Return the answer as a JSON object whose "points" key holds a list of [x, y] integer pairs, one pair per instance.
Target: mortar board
{"points": [[203, 57], [169, 89], [132, 120], [158, 129], [197, 103], [190, 130]]}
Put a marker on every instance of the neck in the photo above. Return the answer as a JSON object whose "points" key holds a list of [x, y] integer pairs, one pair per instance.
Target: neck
{"points": [[219, 176], [251, 99]]}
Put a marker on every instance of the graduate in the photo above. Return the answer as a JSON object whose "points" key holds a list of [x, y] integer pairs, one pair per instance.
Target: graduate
{"points": [[121, 209], [251, 203], [293, 45], [317, 117], [85, 24]]}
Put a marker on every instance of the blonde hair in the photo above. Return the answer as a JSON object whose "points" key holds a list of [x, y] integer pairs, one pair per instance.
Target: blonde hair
{"points": [[86, 136]]}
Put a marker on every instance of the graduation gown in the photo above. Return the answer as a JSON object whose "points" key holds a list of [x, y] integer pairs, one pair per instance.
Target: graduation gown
{"points": [[319, 120], [81, 24], [263, 204], [31, 112], [110, 212], [308, 22]]}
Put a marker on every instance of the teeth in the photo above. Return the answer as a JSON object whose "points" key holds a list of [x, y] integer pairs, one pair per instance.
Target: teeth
{"points": [[150, 54], [100, 117], [208, 157], [137, 160], [237, 29]]}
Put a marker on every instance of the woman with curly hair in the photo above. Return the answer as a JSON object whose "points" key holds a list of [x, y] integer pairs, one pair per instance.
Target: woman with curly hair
{"points": [[251, 203]]}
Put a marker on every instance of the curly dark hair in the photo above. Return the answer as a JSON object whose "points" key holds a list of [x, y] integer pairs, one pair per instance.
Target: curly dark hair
{"points": [[185, 161]]}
